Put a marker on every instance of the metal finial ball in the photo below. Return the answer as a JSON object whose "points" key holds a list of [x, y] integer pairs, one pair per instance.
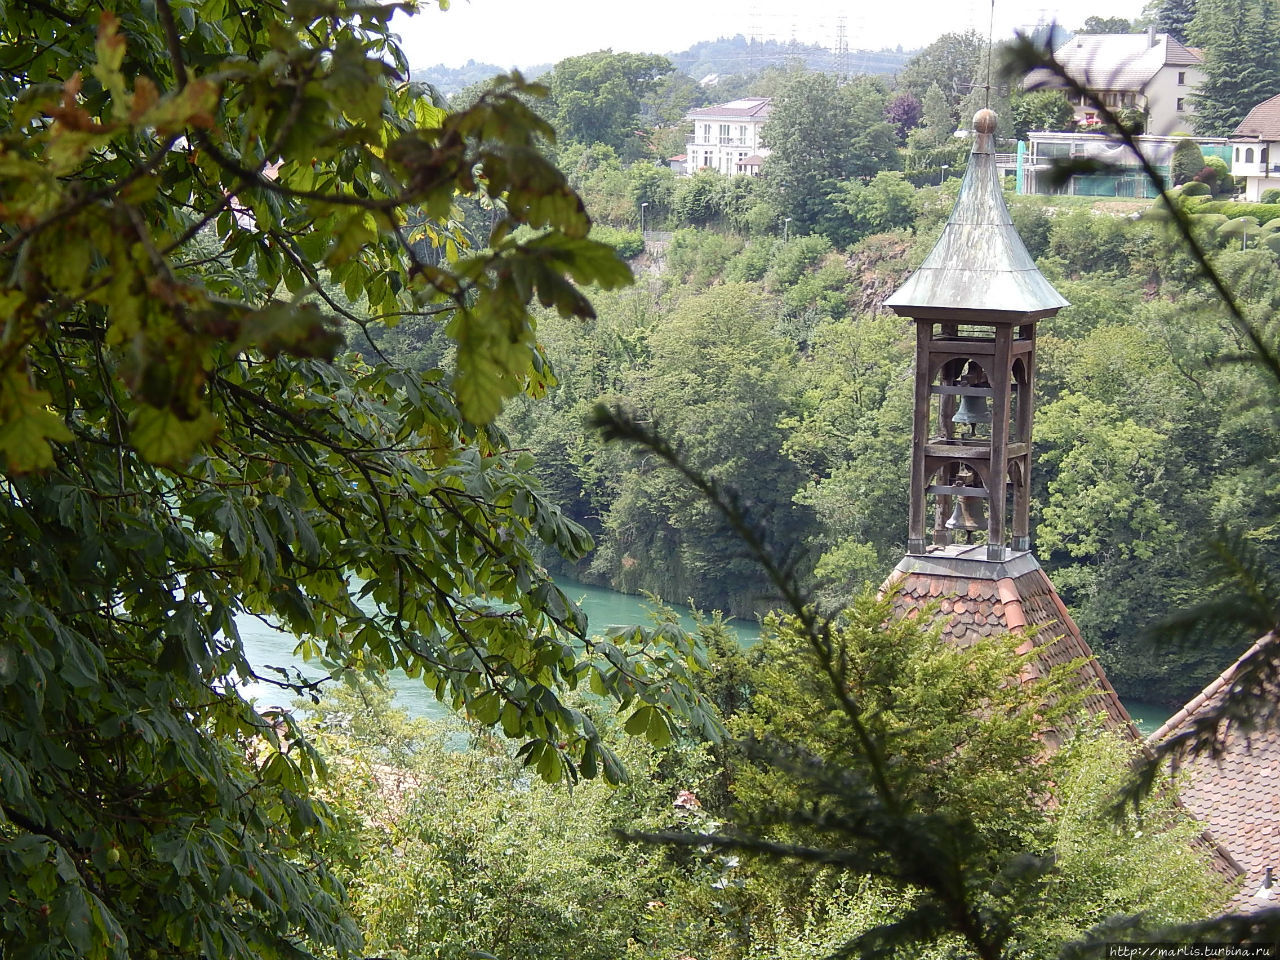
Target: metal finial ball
{"points": [[984, 121]]}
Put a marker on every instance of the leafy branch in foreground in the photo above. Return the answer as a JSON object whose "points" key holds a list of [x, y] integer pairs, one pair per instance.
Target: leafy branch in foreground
{"points": [[185, 185]]}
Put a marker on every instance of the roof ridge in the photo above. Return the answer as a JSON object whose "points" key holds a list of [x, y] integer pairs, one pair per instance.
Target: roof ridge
{"points": [[1215, 686]]}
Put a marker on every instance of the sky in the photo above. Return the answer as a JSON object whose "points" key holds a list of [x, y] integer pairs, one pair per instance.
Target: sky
{"points": [[520, 33]]}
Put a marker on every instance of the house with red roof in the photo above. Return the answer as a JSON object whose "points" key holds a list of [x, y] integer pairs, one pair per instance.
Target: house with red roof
{"points": [[1255, 149]]}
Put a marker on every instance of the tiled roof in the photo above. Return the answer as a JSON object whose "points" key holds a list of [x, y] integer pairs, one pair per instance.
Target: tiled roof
{"points": [[1262, 122], [747, 107], [978, 598], [1237, 792], [1114, 61]]}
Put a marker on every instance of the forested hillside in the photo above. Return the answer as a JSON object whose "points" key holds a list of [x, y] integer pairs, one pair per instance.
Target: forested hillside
{"points": [[773, 366]]}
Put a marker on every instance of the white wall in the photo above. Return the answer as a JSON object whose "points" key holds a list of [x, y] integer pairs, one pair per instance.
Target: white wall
{"points": [[1163, 92]]}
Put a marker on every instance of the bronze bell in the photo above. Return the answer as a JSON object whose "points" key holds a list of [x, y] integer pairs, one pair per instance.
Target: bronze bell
{"points": [[973, 410], [968, 515]]}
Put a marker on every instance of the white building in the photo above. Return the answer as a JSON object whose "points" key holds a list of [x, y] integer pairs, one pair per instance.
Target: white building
{"points": [[1148, 71], [1121, 174], [1255, 149], [727, 138]]}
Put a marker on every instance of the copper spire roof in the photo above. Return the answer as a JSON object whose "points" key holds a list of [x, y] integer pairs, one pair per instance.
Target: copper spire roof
{"points": [[979, 263]]}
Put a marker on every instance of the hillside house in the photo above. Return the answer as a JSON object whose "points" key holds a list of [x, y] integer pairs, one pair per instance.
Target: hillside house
{"points": [[726, 138], [1151, 72], [1255, 149]]}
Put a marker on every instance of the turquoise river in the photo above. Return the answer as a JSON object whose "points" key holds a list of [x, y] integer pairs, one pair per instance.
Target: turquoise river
{"points": [[604, 608]]}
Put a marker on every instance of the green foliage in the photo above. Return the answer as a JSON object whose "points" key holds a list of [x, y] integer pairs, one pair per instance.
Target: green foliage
{"points": [[1103, 469], [822, 132], [1097, 24], [1188, 161], [1174, 17], [937, 121], [596, 98], [185, 188], [455, 853], [888, 202], [1241, 61], [1263, 212], [949, 63], [1041, 110], [1087, 242], [628, 243], [719, 378], [1270, 196]]}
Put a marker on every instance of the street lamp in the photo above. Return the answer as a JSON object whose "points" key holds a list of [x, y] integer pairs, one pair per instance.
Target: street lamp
{"points": [[786, 228], [642, 209], [942, 176]]}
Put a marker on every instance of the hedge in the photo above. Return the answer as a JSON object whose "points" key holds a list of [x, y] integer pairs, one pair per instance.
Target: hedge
{"points": [[1237, 208]]}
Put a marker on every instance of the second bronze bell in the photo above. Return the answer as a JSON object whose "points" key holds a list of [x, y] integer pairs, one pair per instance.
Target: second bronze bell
{"points": [[968, 515]]}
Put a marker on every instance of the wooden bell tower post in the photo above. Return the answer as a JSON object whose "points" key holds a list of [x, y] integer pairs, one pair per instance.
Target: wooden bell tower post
{"points": [[975, 301]]}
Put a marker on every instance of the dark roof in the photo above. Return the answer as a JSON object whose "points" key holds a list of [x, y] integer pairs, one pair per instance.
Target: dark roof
{"points": [[979, 263], [1114, 61], [1262, 122], [747, 107], [1235, 793], [980, 598]]}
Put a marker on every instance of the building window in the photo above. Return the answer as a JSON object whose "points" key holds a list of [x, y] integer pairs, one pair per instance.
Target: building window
{"points": [[1182, 78], [706, 133], [1237, 154], [1181, 105], [1248, 155], [742, 135], [724, 133]]}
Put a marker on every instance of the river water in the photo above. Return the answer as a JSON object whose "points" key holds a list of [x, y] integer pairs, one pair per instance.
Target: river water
{"points": [[604, 608]]}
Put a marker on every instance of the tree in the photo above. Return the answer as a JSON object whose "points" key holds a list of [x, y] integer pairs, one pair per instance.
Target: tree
{"points": [[888, 202], [950, 62], [1106, 25], [1187, 162], [597, 97], [903, 112], [1041, 110], [1241, 61], [717, 378], [185, 186], [450, 853], [937, 122], [1173, 17], [819, 133]]}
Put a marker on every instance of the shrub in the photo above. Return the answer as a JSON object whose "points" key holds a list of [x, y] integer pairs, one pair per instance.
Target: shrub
{"points": [[1188, 160], [1262, 212], [1196, 188], [1270, 195], [1218, 164], [628, 243]]}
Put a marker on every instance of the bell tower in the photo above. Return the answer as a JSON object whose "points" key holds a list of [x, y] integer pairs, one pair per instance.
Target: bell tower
{"points": [[975, 301]]}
